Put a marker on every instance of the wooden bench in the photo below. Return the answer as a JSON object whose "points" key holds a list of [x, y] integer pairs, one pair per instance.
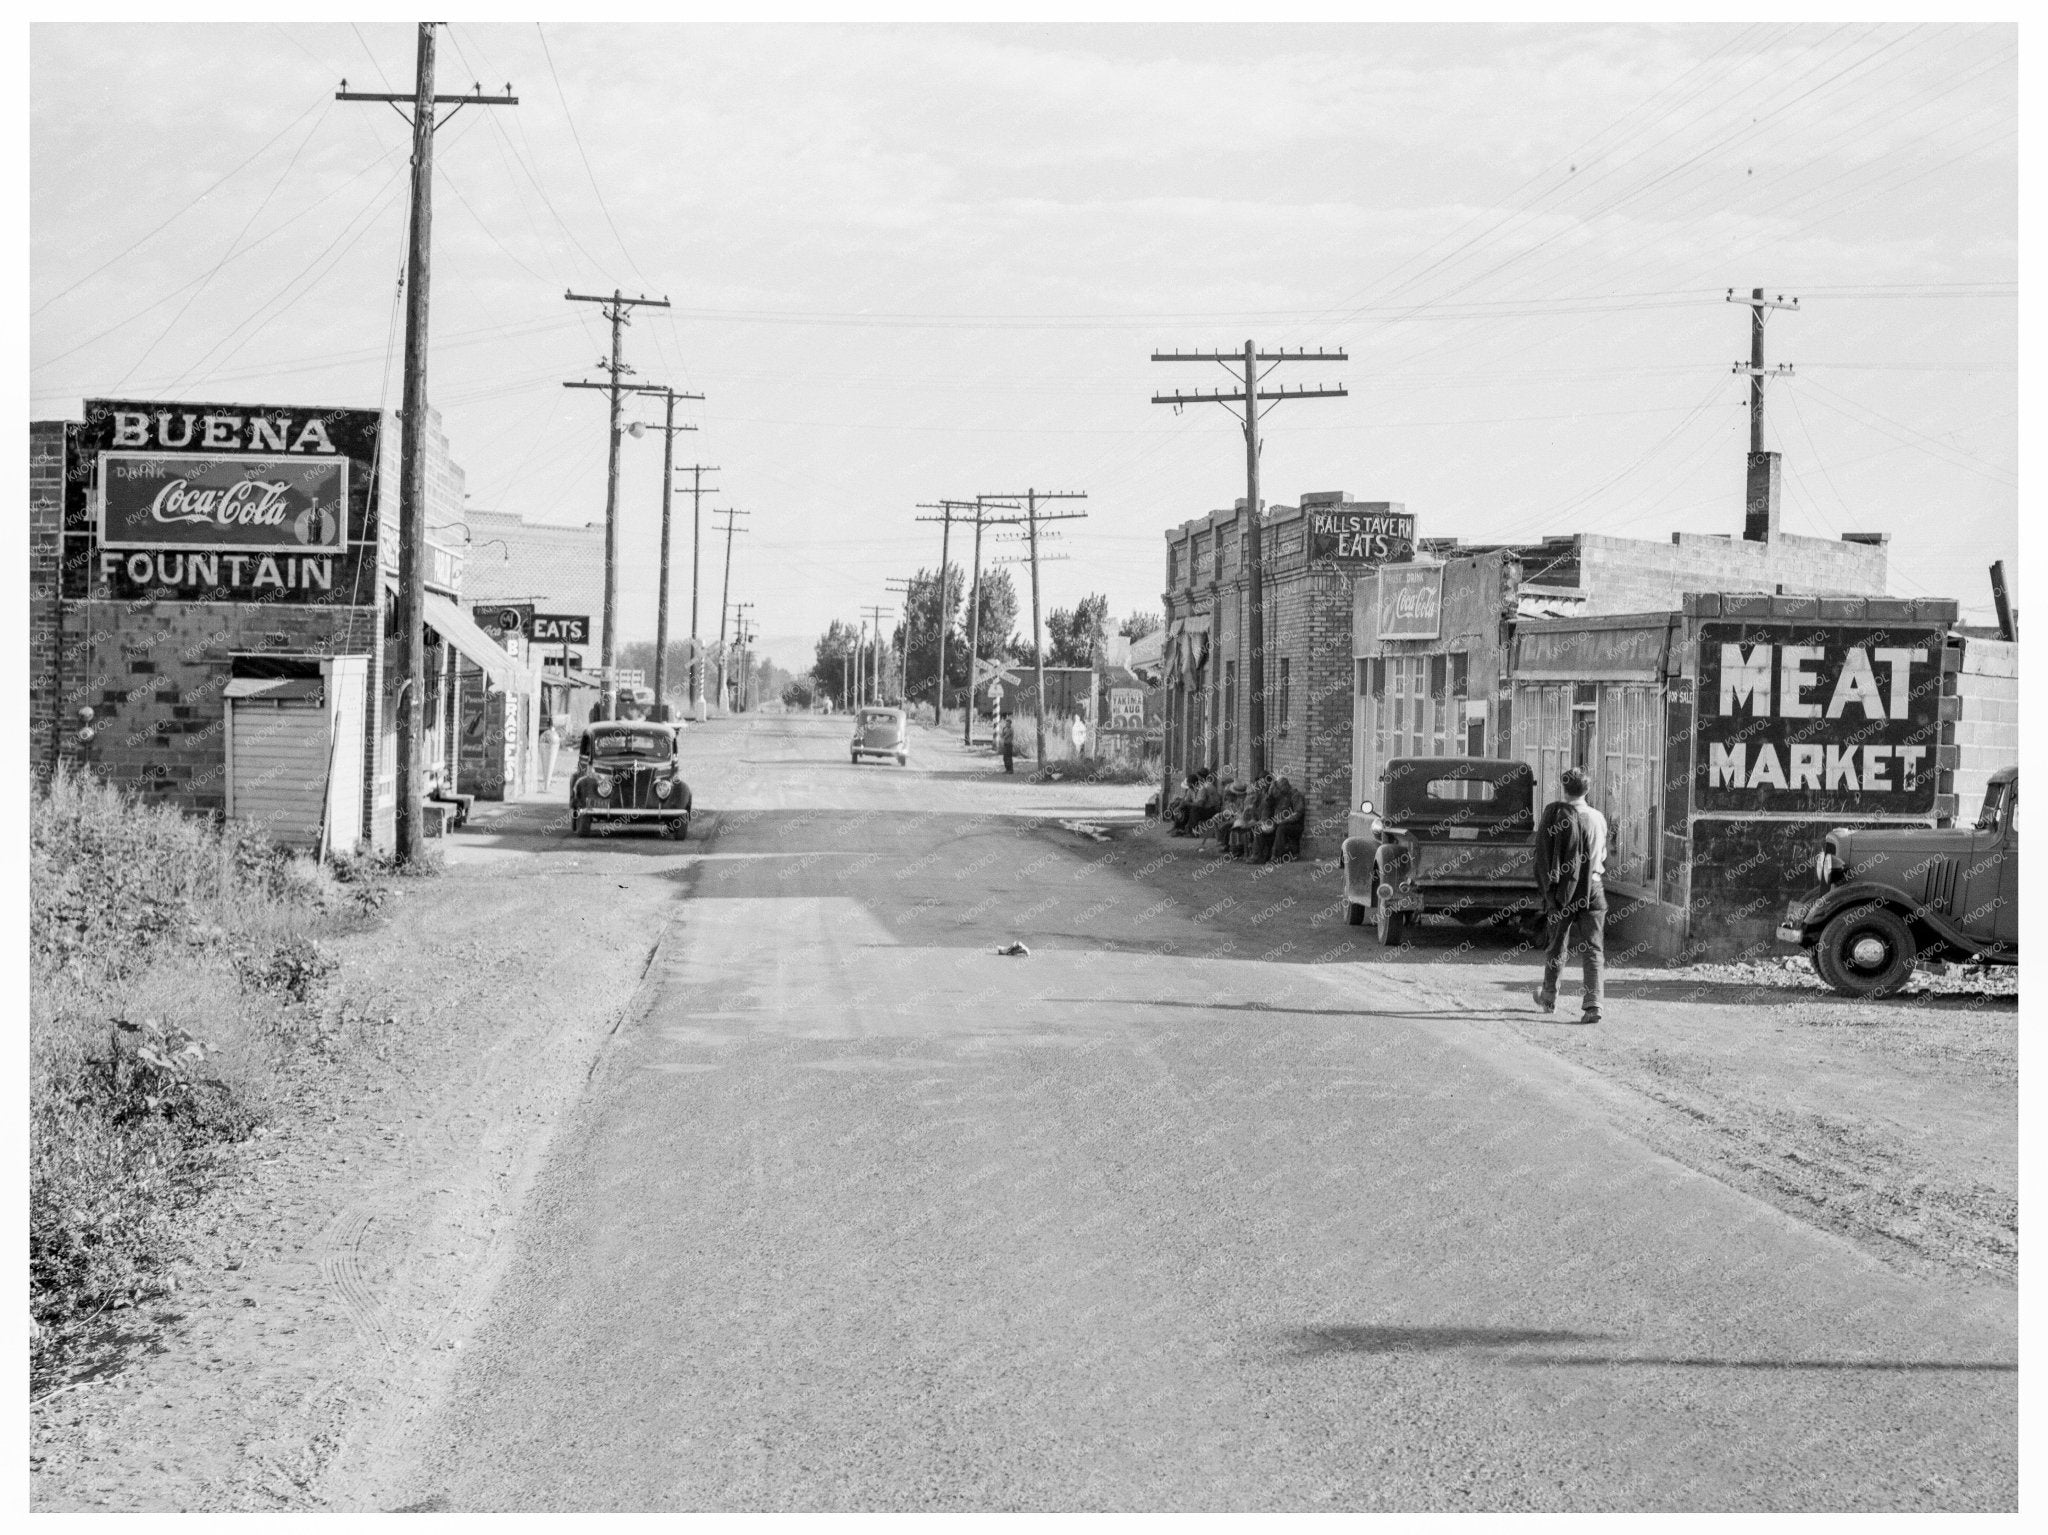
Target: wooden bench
{"points": [[435, 816]]}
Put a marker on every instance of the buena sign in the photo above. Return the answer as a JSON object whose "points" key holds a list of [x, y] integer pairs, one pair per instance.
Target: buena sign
{"points": [[226, 503], [1818, 718]]}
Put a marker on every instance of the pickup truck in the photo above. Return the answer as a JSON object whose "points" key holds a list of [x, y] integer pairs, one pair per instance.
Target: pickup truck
{"points": [[1889, 896], [1455, 835]]}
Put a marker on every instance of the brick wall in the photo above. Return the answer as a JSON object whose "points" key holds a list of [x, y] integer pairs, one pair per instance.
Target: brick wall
{"points": [[45, 540]]}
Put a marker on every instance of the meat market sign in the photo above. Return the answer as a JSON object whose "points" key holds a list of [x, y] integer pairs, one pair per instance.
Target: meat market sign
{"points": [[1818, 718], [226, 502]]}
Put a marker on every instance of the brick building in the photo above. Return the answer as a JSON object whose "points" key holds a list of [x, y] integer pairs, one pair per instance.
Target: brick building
{"points": [[1307, 615], [210, 610]]}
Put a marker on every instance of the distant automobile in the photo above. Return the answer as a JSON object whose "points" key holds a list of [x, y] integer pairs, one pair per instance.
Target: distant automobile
{"points": [[628, 771], [881, 732]]}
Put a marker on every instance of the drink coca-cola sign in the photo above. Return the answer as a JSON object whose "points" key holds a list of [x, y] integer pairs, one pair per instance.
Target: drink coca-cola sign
{"points": [[289, 503], [1411, 601]]}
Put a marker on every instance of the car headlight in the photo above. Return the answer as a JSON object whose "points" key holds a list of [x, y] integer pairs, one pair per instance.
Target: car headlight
{"points": [[664, 788], [604, 786]]}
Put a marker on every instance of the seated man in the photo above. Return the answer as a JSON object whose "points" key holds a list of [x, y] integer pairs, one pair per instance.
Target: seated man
{"points": [[1185, 803], [1259, 846], [1290, 814], [1227, 812]]}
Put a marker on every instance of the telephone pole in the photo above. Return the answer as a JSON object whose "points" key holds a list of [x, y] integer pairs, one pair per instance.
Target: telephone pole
{"points": [[410, 661], [1032, 518], [946, 511], [668, 430], [875, 666], [1247, 394], [731, 516], [1760, 510], [900, 587], [974, 613], [615, 310], [739, 645], [698, 490]]}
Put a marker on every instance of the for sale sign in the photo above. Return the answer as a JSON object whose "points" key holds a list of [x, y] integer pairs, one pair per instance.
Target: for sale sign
{"points": [[1822, 719]]}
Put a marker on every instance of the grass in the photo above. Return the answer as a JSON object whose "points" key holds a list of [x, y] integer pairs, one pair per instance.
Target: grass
{"points": [[177, 981]]}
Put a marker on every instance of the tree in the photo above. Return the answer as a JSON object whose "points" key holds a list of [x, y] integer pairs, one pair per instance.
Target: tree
{"points": [[922, 619], [1138, 626], [1076, 634], [996, 596], [799, 692]]}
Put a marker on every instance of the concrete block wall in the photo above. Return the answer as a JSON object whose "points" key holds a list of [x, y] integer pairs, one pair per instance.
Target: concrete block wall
{"points": [[1987, 727], [1635, 575]]}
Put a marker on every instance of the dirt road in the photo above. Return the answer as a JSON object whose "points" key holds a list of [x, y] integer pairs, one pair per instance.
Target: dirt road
{"points": [[783, 1190]]}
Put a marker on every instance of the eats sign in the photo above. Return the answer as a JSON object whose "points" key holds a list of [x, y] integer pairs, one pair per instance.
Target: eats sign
{"points": [[1818, 718]]}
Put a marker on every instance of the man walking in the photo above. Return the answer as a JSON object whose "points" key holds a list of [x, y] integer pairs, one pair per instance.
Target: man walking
{"points": [[1571, 859]]}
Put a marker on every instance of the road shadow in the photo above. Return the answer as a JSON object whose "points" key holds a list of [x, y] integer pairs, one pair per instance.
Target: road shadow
{"points": [[1265, 1008], [1311, 1342], [1628, 987], [1693, 1362], [1316, 1342]]}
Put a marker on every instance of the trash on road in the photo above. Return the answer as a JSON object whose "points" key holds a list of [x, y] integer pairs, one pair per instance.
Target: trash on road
{"points": [[1013, 949]]}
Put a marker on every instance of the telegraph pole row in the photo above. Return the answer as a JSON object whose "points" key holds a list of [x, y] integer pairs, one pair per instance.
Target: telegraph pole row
{"points": [[874, 680], [698, 490], [739, 645], [616, 308], [1032, 518], [409, 662], [668, 453], [1248, 394], [731, 516], [981, 520], [900, 586], [946, 510]]}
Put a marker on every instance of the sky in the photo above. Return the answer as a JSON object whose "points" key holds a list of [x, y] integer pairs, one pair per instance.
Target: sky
{"points": [[914, 263]]}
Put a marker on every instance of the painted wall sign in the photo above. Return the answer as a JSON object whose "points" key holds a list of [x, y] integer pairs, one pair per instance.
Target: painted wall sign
{"points": [[561, 629], [1546, 654], [1824, 719], [186, 502], [1361, 533], [1411, 602], [223, 502]]}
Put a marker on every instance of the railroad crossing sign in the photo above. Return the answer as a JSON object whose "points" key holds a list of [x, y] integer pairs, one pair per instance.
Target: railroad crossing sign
{"points": [[995, 673], [561, 628]]}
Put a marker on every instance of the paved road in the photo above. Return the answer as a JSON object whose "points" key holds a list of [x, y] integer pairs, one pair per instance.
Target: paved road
{"points": [[857, 1214]]}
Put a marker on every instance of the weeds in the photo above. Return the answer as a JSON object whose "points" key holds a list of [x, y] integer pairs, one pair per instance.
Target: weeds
{"points": [[173, 976]]}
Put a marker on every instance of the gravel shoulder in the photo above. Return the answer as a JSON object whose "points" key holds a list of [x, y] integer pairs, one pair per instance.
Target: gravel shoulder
{"points": [[338, 1274]]}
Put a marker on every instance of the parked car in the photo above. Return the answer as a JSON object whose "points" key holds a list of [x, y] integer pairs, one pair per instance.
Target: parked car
{"points": [[628, 771], [1890, 896], [1455, 835], [881, 732]]}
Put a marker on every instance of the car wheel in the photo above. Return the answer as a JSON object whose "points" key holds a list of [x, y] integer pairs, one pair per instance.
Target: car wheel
{"points": [[1354, 914], [581, 824], [1391, 926], [1866, 952]]}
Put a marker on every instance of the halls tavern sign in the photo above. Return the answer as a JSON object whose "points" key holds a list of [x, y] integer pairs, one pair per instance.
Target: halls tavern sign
{"points": [[223, 503]]}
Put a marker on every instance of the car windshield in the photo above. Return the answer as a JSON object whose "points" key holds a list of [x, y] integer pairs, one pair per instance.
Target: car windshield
{"points": [[648, 744]]}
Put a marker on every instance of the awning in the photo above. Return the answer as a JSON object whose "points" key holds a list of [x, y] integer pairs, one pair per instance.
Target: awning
{"points": [[551, 676], [455, 626]]}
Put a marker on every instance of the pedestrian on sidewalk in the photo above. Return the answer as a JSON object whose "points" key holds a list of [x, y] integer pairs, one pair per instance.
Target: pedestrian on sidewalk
{"points": [[550, 745], [1571, 862], [1006, 742]]}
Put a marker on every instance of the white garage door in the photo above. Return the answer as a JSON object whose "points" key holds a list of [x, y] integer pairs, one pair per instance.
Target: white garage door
{"points": [[279, 777]]}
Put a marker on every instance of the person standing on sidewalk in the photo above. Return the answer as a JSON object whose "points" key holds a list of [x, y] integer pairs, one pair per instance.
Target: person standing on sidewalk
{"points": [[1571, 860], [1006, 741]]}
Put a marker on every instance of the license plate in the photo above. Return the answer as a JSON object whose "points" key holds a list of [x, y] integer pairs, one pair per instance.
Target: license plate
{"points": [[1795, 912]]}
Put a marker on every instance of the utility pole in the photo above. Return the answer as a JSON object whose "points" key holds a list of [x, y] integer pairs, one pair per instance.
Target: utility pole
{"points": [[905, 589], [974, 614], [860, 650], [668, 430], [731, 516], [410, 661], [1032, 518], [698, 490], [615, 310], [1248, 394], [946, 511], [1760, 509], [739, 645], [875, 668]]}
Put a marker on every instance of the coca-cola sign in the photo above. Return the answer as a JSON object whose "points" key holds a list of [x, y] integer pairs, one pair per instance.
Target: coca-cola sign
{"points": [[1411, 601], [292, 503]]}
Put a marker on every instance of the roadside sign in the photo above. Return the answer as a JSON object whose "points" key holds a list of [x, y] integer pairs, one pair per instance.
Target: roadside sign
{"points": [[561, 628], [504, 617], [995, 671]]}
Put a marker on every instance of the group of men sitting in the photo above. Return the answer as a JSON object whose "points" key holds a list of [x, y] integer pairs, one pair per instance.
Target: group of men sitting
{"points": [[1257, 821]]}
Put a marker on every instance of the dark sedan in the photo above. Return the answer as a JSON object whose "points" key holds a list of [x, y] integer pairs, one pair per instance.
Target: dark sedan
{"points": [[627, 772]]}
